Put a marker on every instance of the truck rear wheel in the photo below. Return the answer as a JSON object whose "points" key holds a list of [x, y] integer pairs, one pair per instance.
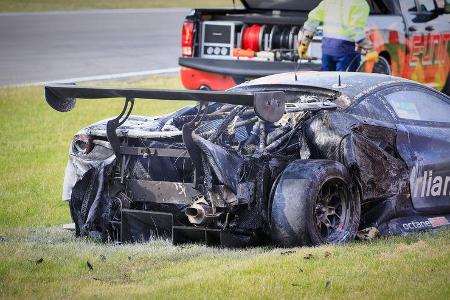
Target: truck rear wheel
{"points": [[313, 204], [382, 66]]}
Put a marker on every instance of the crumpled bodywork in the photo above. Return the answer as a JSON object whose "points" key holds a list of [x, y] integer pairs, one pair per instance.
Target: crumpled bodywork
{"points": [[369, 153], [207, 173], [78, 165]]}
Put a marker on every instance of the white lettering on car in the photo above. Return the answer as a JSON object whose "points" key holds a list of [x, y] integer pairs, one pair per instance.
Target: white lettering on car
{"points": [[431, 186], [430, 223]]}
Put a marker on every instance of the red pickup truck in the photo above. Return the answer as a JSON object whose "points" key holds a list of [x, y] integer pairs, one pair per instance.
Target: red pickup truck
{"points": [[224, 47]]}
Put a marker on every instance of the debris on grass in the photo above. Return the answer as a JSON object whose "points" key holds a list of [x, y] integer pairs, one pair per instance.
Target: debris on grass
{"points": [[39, 261], [91, 268], [368, 234]]}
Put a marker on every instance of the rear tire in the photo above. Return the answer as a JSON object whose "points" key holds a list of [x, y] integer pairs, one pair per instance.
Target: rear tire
{"points": [[313, 203]]}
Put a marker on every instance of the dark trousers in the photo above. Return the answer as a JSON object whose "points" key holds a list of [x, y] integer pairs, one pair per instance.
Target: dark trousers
{"points": [[341, 63]]}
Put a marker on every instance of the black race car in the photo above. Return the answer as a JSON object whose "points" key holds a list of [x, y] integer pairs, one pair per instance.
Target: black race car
{"points": [[290, 159]]}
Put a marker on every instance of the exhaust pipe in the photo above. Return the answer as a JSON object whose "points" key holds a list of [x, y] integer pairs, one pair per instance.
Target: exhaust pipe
{"points": [[198, 213]]}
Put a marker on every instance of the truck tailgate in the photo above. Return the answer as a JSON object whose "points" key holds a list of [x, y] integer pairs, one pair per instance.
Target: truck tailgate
{"points": [[245, 68]]}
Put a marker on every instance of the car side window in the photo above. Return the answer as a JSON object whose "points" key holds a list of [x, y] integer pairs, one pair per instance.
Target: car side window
{"points": [[441, 3], [418, 105], [372, 107], [446, 6], [427, 5], [409, 5]]}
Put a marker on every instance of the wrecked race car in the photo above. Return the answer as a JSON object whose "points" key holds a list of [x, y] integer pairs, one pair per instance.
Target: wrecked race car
{"points": [[289, 159]]}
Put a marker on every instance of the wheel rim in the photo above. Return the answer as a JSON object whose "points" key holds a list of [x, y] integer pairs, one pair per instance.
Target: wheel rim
{"points": [[380, 67], [332, 210]]}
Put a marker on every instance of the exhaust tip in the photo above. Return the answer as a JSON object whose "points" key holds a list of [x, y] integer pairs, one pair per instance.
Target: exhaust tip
{"points": [[192, 212]]}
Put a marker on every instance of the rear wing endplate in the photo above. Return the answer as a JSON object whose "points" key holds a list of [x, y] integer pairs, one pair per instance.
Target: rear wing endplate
{"points": [[269, 106]]}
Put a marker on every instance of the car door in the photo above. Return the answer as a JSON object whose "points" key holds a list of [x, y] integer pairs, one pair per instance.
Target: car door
{"points": [[423, 142]]}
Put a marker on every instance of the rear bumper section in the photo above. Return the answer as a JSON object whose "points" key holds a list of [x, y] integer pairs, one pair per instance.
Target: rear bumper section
{"points": [[220, 74], [140, 226]]}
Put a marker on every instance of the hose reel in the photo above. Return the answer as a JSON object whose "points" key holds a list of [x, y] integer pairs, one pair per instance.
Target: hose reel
{"points": [[266, 38]]}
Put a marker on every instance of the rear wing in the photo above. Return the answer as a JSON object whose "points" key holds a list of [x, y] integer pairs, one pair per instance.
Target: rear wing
{"points": [[269, 106]]}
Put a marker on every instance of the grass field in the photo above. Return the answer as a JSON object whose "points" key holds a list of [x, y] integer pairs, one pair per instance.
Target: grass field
{"points": [[57, 5], [48, 263], [40, 260]]}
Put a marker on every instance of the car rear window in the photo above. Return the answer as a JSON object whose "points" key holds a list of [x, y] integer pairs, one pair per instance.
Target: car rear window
{"points": [[418, 105]]}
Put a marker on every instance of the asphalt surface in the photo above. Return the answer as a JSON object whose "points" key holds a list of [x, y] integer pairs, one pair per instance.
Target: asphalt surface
{"points": [[42, 47]]}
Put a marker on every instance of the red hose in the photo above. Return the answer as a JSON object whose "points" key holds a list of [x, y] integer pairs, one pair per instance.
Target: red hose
{"points": [[250, 37]]}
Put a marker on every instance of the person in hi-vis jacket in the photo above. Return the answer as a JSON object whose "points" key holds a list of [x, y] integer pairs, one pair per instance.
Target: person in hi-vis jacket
{"points": [[344, 37]]}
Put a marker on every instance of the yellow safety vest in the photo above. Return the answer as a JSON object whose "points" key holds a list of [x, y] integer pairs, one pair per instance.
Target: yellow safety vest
{"points": [[341, 19]]}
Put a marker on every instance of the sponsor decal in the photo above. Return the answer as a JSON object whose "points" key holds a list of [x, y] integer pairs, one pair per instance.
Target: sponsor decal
{"points": [[429, 185], [423, 224], [438, 221], [414, 225]]}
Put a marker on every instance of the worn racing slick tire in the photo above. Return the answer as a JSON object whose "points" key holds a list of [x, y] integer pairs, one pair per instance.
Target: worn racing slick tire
{"points": [[314, 203]]}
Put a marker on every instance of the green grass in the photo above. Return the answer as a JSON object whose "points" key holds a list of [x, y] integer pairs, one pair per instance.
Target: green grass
{"points": [[57, 5], [34, 142], [416, 267]]}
